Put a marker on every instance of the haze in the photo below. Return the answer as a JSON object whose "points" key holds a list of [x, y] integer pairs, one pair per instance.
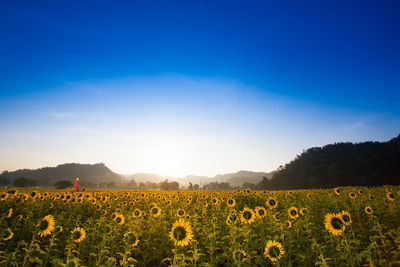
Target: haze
{"points": [[193, 88]]}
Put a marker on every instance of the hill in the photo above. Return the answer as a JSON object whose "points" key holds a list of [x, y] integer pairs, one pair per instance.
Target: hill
{"points": [[234, 179], [88, 174], [341, 164]]}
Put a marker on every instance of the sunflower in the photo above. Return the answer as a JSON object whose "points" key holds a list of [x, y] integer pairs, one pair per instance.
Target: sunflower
{"points": [[46, 226], [368, 210], [78, 234], [273, 250], [334, 224], [215, 201], [346, 218], [33, 194], [232, 218], [131, 239], [272, 203], [304, 211], [293, 212], [3, 196], [155, 211], [277, 216], [181, 213], [247, 215], [8, 234], [390, 196], [239, 255], [260, 212], [181, 233], [214, 220], [231, 202], [137, 213], [119, 218], [337, 191], [288, 224], [10, 211], [352, 195]]}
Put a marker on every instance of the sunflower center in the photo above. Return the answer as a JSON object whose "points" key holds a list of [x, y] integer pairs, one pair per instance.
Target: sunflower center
{"points": [[337, 223], [179, 233], [239, 255], [272, 202], [43, 225], [131, 238], [76, 235], [293, 212], [261, 212], [154, 210], [274, 251], [118, 219], [247, 215], [346, 218]]}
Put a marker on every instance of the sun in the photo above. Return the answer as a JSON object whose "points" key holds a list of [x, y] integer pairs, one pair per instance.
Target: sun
{"points": [[166, 158]]}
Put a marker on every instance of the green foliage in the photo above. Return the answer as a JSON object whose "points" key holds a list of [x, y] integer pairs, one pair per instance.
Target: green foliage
{"points": [[368, 239], [341, 164]]}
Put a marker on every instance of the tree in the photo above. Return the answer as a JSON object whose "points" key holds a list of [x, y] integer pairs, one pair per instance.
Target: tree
{"points": [[173, 186], [132, 184], [263, 184], [24, 182], [196, 187], [168, 185], [63, 184], [4, 181], [164, 185], [190, 187]]}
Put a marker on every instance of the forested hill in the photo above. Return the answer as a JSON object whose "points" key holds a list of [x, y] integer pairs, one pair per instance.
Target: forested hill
{"points": [[341, 164], [88, 174]]}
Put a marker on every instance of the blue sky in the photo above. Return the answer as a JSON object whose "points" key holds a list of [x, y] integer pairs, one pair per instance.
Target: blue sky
{"points": [[193, 87]]}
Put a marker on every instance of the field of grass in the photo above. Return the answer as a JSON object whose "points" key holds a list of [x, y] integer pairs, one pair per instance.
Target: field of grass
{"points": [[351, 226]]}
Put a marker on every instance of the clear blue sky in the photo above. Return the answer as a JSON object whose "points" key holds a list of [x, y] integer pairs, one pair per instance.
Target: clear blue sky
{"points": [[193, 87]]}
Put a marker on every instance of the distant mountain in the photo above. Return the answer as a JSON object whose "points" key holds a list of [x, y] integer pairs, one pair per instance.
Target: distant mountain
{"points": [[341, 164], [88, 174], [234, 179], [147, 177], [91, 175], [241, 177]]}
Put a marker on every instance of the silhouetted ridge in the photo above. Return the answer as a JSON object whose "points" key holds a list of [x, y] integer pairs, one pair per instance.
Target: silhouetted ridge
{"points": [[341, 164], [89, 174]]}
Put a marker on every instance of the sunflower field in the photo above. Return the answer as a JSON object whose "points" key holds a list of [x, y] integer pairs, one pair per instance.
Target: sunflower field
{"points": [[346, 226]]}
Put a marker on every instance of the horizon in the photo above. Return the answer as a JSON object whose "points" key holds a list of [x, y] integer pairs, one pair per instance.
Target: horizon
{"points": [[193, 88]]}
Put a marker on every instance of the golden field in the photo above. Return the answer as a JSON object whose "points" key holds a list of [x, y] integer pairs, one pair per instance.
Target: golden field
{"points": [[347, 226]]}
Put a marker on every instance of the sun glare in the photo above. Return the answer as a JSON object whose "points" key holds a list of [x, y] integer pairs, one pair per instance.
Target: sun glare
{"points": [[166, 159]]}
